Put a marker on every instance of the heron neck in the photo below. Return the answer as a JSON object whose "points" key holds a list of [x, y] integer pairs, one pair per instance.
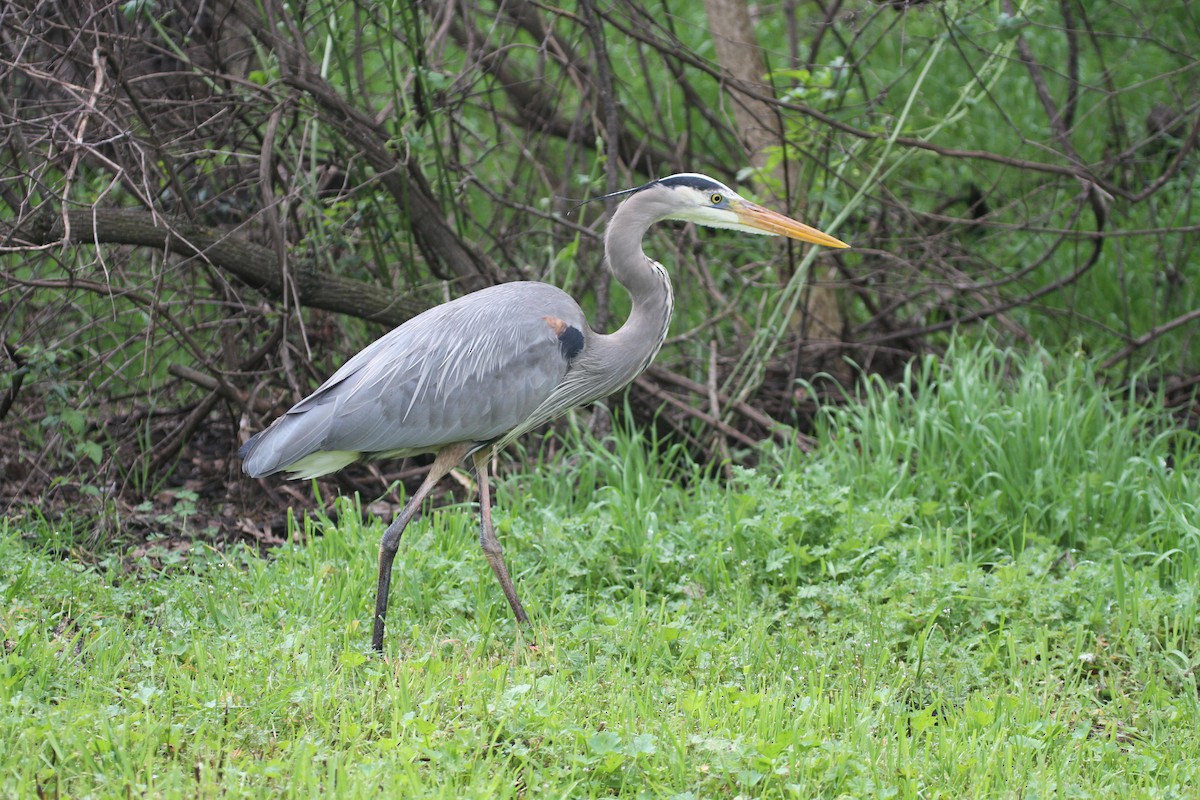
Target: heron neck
{"points": [[634, 345], [640, 276]]}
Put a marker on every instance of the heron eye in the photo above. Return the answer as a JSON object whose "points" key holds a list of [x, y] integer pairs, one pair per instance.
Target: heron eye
{"points": [[716, 199]]}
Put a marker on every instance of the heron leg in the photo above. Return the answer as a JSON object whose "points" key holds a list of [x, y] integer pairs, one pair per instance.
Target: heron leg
{"points": [[487, 538], [446, 460]]}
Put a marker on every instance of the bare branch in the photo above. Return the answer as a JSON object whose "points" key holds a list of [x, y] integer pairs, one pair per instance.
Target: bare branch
{"points": [[254, 264]]}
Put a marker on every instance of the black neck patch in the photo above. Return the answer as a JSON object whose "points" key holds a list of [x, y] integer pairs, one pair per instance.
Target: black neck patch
{"points": [[570, 342], [570, 338]]}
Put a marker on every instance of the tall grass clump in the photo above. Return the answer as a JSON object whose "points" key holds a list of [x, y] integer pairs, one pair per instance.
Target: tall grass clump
{"points": [[1004, 447]]}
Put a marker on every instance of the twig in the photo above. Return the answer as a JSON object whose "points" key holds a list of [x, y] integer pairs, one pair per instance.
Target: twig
{"points": [[834, 123], [656, 392], [608, 120], [1098, 208], [1057, 124], [757, 416], [219, 385], [18, 378], [1149, 336], [170, 447]]}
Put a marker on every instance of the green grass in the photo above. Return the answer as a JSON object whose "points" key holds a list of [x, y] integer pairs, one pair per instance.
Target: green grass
{"points": [[844, 624], [1001, 448]]}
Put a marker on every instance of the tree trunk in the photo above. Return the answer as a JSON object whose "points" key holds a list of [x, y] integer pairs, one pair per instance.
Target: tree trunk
{"points": [[758, 124], [760, 128]]}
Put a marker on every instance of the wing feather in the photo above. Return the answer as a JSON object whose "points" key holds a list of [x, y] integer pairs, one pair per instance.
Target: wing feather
{"points": [[468, 370]]}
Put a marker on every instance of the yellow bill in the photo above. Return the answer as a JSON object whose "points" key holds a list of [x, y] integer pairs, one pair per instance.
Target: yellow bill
{"points": [[768, 221]]}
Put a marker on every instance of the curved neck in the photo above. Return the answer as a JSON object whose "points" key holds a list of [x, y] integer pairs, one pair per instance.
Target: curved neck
{"points": [[625, 353], [626, 259]]}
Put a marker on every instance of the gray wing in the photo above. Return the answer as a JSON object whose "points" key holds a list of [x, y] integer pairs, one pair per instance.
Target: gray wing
{"points": [[468, 370]]}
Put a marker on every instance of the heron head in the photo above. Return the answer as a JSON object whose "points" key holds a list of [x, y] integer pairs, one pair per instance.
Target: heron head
{"points": [[690, 197]]}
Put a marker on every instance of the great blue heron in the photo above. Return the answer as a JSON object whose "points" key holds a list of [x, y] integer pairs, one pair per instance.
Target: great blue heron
{"points": [[468, 376]]}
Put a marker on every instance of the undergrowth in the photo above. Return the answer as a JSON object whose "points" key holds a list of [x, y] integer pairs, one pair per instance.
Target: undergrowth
{"points": [[852, 623]]}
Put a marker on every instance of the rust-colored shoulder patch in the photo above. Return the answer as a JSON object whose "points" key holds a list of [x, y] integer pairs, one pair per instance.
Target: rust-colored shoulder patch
{"points": [[556, 325]]}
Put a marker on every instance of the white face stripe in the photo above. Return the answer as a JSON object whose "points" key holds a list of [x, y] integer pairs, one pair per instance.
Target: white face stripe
{"points": [[703, 212]]}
